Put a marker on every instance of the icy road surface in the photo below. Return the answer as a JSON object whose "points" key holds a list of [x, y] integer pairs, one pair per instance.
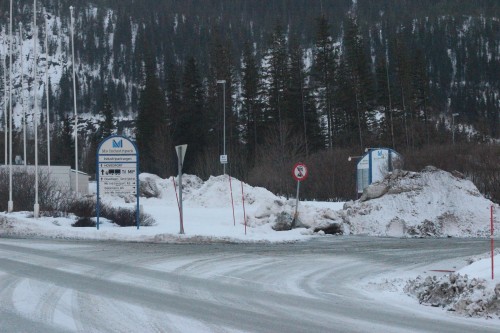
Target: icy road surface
{"points": [[314, 286]]}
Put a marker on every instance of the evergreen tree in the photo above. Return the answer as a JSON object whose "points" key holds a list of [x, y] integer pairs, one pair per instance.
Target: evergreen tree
{"points": [[404, 89], [65, 104], [65, 152], [150, 125], [251, 114], [420, 82], [323, 74], [276, 75], [173, 93], [301, 111], [107, 126], [358, 73], [384, 101], [191, 126], [220, 68]]}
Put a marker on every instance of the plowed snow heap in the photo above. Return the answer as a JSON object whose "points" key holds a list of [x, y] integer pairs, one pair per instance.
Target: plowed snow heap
{"points": [[419, 204]]}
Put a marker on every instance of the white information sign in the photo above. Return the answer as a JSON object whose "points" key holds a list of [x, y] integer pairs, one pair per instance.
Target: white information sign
{"points": [[117, 171], [223, 159], [375, 165], [117, 167]]}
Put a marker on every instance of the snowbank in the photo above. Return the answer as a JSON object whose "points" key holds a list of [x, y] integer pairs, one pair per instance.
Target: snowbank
{"points": [[469, 291], [419, 204], [208, 215]]}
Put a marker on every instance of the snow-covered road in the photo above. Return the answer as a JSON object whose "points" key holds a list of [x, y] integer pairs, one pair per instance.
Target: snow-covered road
{"points": [[320, 285]]}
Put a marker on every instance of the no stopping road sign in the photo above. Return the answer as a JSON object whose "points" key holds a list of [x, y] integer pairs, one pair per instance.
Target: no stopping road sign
{"points": [[299, 172]]}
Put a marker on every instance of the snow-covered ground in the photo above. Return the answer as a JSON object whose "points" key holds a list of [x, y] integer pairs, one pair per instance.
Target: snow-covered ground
{"points": [[207, 210], [464, 286], [404, 204]]}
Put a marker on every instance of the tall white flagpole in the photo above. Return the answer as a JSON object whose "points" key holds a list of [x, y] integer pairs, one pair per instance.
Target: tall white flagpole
{"points": [[10, 206], [47, 87], [36, 208], [74, 99], [5, 108], [22, 90]]}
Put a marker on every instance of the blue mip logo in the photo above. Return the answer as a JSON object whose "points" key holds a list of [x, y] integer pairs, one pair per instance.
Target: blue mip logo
{"points": [[118, 144]]}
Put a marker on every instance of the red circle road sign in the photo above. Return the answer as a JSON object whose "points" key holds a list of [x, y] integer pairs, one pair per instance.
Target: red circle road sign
{"points": [[299, 172]]}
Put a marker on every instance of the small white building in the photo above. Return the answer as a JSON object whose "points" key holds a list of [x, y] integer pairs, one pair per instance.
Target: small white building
{"points": [[375, 165], [62, 176]]}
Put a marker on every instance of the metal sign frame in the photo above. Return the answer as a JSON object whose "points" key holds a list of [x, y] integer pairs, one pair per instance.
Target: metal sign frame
{"points": [[181, 153], [118, 157]]}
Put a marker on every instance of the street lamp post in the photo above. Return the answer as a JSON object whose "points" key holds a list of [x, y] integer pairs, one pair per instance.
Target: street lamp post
{"points": [[223, 82], [453, 115]]}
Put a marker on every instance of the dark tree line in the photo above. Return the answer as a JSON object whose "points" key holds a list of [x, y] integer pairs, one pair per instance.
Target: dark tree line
{"points": [[302, 79]]}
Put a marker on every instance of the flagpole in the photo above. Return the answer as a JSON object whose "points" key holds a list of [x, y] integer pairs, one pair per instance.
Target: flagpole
{"points": [[35, 114], [5, 107], [10, 206], [47, 87], [22, 90], [74, 100]]}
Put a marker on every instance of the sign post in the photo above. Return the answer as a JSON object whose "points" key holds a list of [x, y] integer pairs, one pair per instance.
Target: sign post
{"points": [[299, 173], [117, 170], [181, 152]]}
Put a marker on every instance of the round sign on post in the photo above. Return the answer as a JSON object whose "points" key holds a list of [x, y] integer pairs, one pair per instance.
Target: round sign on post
{"points": [[299, 172]]}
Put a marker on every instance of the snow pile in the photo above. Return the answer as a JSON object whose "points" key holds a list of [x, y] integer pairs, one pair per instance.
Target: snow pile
{"points": [[209, 193], [262, 206], [419, 204], [470, 291]]}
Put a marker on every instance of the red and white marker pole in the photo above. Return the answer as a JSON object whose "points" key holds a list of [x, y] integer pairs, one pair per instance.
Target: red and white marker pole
{"points": [[232, 201], [176, 196], [244, 212]]}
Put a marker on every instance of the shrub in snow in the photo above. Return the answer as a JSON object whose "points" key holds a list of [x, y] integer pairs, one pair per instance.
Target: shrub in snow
{"points": [[127, 218], [84, 222], [23, 194], [82, 207], [85, 210]]}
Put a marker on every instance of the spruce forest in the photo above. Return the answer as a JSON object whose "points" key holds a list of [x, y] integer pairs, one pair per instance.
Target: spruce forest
{"points": [[283, 81]]}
